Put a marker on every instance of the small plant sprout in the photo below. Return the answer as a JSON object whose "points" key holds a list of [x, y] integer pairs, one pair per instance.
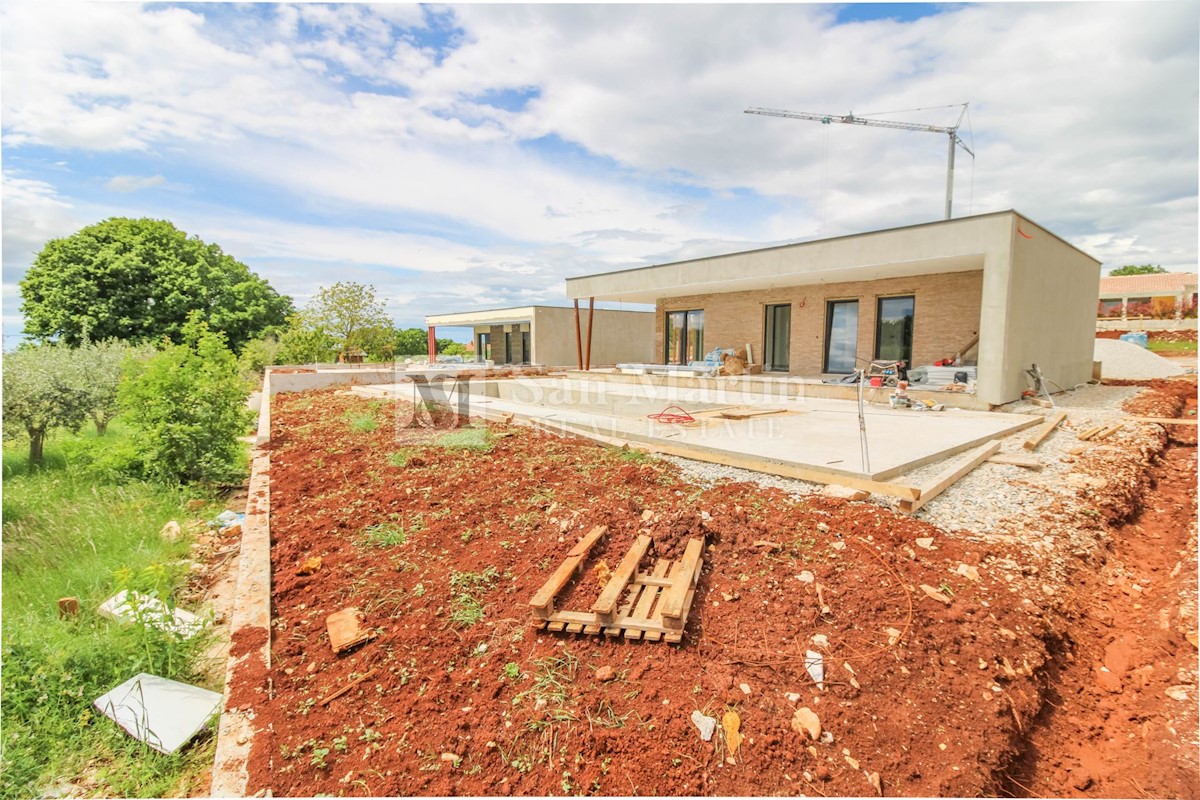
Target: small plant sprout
{"points": [[318, 757], [512, 671]]}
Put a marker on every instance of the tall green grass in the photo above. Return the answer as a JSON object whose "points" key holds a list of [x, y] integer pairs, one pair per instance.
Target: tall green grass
{"points": [[74, 528]]}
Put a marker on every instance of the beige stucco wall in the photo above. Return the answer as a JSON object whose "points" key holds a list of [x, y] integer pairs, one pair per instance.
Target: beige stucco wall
{"points": [[945, 316], [1042, 310], [619, 336]]}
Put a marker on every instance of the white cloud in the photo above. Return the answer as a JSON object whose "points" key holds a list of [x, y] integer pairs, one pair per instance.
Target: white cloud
{"points": [[1083, 116], [124, 184]]}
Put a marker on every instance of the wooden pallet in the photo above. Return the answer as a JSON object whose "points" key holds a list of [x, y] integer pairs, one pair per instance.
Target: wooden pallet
{"points": [[652, 606]]}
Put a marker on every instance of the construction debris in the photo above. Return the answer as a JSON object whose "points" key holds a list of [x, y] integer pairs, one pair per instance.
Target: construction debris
{"points": [[345, 631], [806, 722], [1041, 433], [129, 606], [161, 712], [366, 675]]}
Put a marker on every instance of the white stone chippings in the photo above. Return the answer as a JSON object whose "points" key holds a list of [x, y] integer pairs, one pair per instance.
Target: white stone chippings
{"points": [[1127, 361], [994, 500]]}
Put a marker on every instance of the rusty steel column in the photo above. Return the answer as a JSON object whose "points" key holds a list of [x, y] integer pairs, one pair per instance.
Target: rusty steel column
{"points": [[432, 346], [578, 340], [587, 358]]}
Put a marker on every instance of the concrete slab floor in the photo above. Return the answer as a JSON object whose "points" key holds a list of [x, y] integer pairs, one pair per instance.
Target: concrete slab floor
{"points": [[815, 433]]}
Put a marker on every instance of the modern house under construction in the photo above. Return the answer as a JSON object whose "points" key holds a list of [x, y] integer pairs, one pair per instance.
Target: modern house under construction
{"points": [[551, 336], [998, 290]]}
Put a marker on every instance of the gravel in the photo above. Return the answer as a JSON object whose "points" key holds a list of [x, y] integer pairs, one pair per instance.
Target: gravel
{"points": [[993, 499], [1129, 362]]}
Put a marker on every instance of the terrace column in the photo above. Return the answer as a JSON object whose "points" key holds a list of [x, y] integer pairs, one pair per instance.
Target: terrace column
{"points": [[578, 340], [432, 346], [587, 362]]}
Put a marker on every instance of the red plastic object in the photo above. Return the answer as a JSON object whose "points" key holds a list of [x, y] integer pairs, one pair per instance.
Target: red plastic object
{"points": [[667, 417]]}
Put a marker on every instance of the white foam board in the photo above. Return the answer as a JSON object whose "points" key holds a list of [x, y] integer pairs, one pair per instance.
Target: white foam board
{"points": [[161, 712]]}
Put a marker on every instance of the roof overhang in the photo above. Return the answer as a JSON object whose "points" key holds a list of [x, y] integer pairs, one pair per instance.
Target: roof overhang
{"points": [[469, 319], [956, 245]]}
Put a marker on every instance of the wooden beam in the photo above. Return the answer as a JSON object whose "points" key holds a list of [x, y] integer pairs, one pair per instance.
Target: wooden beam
{"points": [[1109, 431], [1166, 420], [1041, 433], [747, 413], [606, 604], [1017, 460], [948, 478], [543, 602], [1084, 435], [684, 578], [811, 474], [578, 339], [587, 355]]}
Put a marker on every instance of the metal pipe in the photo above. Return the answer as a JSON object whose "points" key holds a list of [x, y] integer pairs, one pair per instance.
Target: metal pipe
{"points": [[950, 176], [578, 339], [587, 359]]}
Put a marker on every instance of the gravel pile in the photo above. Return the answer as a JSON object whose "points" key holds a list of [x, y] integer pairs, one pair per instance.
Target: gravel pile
{"points": [[1128, 362]]}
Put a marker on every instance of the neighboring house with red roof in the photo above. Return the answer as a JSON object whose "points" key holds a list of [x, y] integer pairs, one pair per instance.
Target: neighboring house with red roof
{"points": [[1142, 295]]}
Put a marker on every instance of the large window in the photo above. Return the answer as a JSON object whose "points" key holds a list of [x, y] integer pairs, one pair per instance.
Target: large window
{"points": [[483, 346], [777, 330], [841, 335], [684, 336], [894, 329]]}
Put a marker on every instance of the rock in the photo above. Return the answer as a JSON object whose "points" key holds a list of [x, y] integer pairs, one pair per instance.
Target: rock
{"points": [[706, 724], [1176, 692], [310, 566], [232, 530], [1108, 680], [745, 687], [875, 782], [853, 762], [450, 757], [806, 722], [792, 697], [1081, 780], [822, 527], [826, 737], [171, 531], [196, 505], [936, 594], [893, 636], [926, 542], [806, 577], [605, 673], [814, 663], [967, 571]]}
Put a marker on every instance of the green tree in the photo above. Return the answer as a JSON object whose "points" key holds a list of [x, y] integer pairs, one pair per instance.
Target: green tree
{"points": [[412, 342], [188, 406], [347, 311], [105, 363], [305, 343], [1136, 269], [138, 280], [45, 387]]}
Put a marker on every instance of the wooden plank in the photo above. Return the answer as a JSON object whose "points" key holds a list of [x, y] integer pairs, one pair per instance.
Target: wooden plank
{"points": [[635, 595], [556, 627], [1109, 431], [617, 624], [606, 603], [575, 627], [813, 474], [751, 412], [1166, 420], [1017, 460], [543, 601], [1041, 433], [584, 545], [591, 630], [651, 593], [684, 578], [648, 580], [1084, 435], [947, 479]]}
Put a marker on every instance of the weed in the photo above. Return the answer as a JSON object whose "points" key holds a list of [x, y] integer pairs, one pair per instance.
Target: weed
{"points": [[552, 677], [512, 671], [631, 455], [384, 534], [466, 536], [478, 440], [466, 607], [419, 590], [399, 458], [362, 423], [341, 744], [318, 757], [505, 545]]}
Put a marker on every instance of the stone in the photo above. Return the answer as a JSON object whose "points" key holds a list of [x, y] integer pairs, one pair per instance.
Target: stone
{"points": [[936, 594], [967, 571], [706, 724], [806, 577], [1176, 692], [605, 673], [814, 663], [806, 722], [171, 531], [232, 530], [1081, 781], [745, 687], [792, 697], [875, 782], [450, 758], [822, 527], [310, 566], [926, 542], [1108, 680]]}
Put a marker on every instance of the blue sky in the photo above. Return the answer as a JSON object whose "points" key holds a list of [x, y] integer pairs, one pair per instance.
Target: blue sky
{"points": [[462, 157]]}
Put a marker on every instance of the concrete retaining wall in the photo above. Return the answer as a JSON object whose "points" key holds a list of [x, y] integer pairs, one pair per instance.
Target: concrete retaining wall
{"points": [[1118, 324]]}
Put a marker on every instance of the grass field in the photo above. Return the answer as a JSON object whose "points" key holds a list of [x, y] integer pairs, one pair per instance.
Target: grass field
{"points": [[1173, 348], [73, 528]]}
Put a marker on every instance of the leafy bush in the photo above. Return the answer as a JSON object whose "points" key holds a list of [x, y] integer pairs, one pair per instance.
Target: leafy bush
{"points": [[188, 405]]}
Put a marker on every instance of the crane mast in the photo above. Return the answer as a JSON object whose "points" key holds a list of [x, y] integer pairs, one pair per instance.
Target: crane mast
{"points": [[849, 119]]}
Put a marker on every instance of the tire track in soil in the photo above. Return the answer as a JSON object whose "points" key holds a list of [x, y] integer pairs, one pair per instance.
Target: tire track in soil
{"points": [[1110, 726]]}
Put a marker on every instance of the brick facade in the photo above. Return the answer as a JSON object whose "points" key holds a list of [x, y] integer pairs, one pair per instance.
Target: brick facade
{"points": [[945, 316]]}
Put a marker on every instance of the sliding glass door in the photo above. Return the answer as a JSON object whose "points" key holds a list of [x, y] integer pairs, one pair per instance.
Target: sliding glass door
{"points": [[684, 336], [841, 335], [777, 332]]}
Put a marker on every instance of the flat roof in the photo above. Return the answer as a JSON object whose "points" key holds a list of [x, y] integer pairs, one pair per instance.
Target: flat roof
{"points": [[508, 316], [959, 246]]}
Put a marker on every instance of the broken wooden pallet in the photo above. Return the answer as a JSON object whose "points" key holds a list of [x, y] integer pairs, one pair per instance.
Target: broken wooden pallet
{"points": [[655, 605]]}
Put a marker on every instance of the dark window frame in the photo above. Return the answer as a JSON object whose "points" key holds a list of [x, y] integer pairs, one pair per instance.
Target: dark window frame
{"points": [[768, 331], [687, 335], [879, 301], [829, 304]]}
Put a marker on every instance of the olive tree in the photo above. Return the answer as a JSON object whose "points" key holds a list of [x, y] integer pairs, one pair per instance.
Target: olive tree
{"points": [[46, 387]]}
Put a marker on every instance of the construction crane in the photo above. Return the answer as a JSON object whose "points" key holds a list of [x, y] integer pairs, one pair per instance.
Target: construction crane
{"points": [[850, 119]]}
